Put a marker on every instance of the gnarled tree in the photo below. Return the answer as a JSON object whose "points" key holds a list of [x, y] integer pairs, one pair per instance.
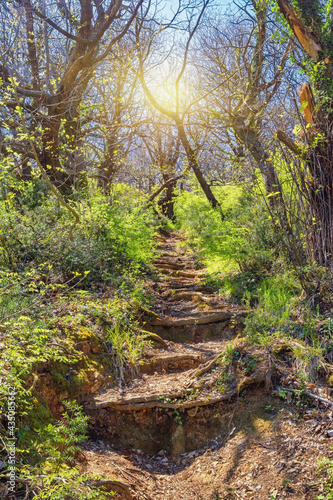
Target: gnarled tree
{"points": [[46, 75], [312, 24]]}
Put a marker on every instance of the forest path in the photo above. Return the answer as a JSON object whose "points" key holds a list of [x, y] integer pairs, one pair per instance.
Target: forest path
{"points": [[190, 425], [192, 328]]}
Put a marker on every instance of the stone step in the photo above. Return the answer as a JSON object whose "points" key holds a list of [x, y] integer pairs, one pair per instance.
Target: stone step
{"points": [[171, 268], [155, 428], [185, 295], [171, 254], [170, 400], [181, 283], [167, 264], [179, 412], [191, 287], [178, 309], [177, 402], [169, 390]]}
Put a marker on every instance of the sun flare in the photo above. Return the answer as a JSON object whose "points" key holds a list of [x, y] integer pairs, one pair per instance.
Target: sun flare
{"points": [[165, 92]]}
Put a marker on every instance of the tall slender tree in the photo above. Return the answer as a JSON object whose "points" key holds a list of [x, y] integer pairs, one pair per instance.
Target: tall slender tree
{"points": [[145, 35]]}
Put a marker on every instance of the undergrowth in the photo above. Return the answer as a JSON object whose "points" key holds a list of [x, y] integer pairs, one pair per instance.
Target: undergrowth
{"points": [[242, 241], [325, 473], [247, 266], [68, 324], [113, 237], [69, 311]]}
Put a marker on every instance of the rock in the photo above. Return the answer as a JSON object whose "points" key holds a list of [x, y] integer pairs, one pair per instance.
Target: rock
{"points": [[86, 348], [164, 461], [161, 453], [178, 443], [330, 433]]}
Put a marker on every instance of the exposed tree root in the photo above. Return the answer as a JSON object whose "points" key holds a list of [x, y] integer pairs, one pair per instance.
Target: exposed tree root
{"points": [[179, 272], [183, 295], [155, 338], [167, 264], [257, 377], [175, 361], [207, 366], [131, 405], [195, 320]]}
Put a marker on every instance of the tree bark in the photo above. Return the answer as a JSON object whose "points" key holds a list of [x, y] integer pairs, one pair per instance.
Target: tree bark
{"points": [[319, 178], [32, 52], [193, 164], [304, 35]]}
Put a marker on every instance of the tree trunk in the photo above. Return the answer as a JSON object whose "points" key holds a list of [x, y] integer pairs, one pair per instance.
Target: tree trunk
{"points": [[318, 183], [193, 164]]}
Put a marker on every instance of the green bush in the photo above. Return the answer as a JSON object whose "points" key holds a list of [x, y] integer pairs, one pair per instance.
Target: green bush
{"points": [[114, 234], [244, 238], [50, 455], [243, 287]]}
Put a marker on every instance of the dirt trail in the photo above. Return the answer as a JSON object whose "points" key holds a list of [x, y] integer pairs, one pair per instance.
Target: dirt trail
{"points": [[186, 428]]}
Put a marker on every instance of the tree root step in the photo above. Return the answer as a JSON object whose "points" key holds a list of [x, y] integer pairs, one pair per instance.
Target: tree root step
{"points": [[140, 403], [196, 320], [166, 264], [178, 273]]}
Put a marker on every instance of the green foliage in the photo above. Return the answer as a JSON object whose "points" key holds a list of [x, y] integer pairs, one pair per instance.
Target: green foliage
{"points": [[69, 485], [49, 454], [51, 305], [244, 238], [317, 17], [242, 287], [28, 345], [49, 344], [16, 294], [124, 346], [224, 368], [56, 444], [312, 13], [112, 235], [326, 472], [275, 297]]}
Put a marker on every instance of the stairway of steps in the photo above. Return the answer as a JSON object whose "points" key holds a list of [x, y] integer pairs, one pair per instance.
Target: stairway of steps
{"points": [[174, 403]]}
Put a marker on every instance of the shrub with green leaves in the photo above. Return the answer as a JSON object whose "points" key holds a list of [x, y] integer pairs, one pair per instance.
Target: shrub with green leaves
{"points": [[49, 344], [114, 233], [243, 239], [48, 459]]}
